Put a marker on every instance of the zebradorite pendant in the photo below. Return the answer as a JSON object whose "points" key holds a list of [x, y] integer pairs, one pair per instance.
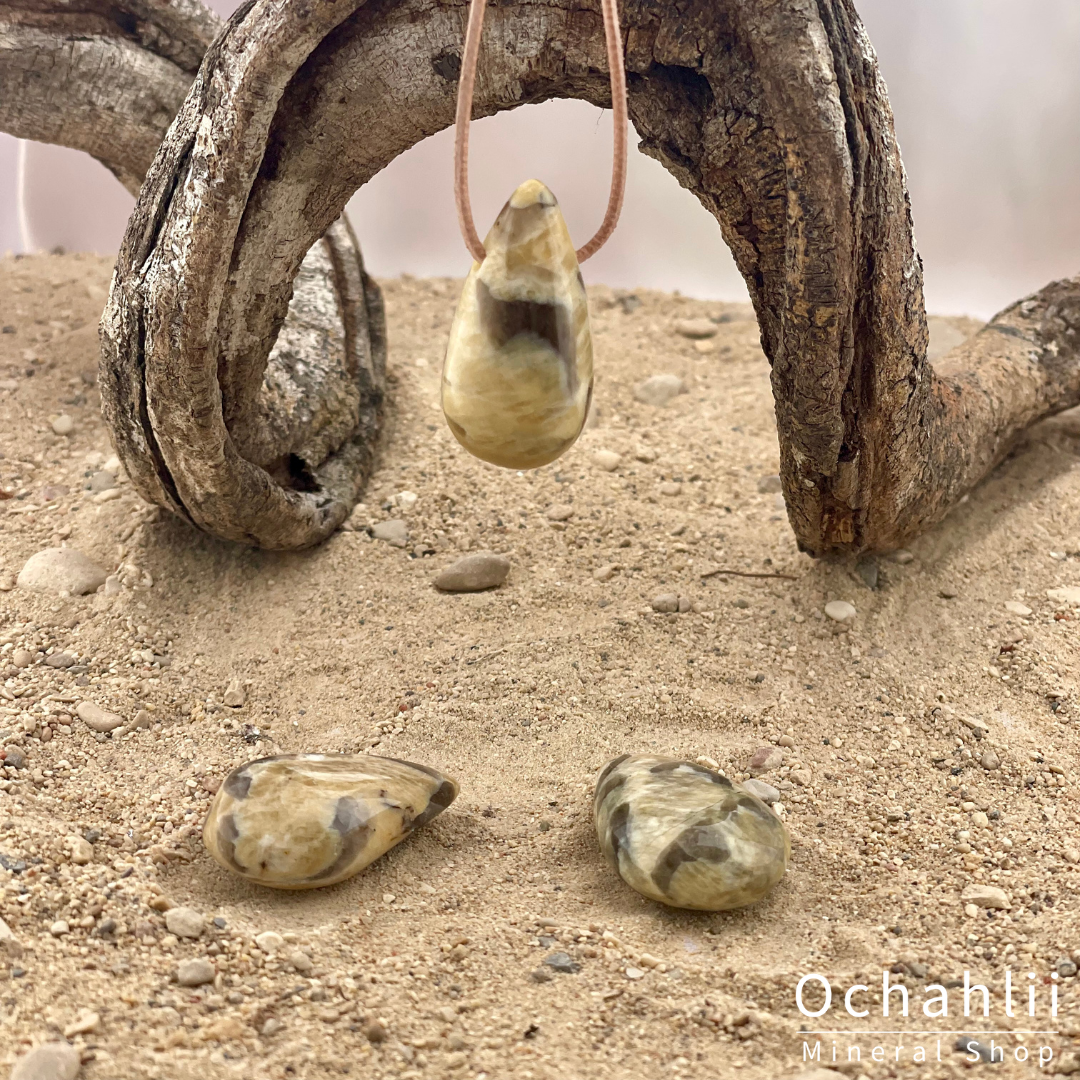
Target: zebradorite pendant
{"points": [[517, 380]]}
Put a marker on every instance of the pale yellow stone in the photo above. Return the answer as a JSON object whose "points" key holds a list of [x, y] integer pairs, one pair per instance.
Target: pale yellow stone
{"points": [[517, 379], [681, 833], [300, 821]]}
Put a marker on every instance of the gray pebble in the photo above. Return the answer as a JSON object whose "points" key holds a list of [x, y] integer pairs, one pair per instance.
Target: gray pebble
{"points": [[473, 573], [61, 570], [765, 792], [50, 1061], [184, 922], [395, 532], [14, 757], [60, 660], [967, 1045], [665, 603], [1066, 967], [948, 592], [561, 962], [696, 329], [195, 972], [867, 569], [659, 390], [989, 761], [102, 480]]}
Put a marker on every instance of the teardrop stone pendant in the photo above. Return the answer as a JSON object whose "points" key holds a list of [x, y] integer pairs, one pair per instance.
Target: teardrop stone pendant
{"points": [[517, 379]]}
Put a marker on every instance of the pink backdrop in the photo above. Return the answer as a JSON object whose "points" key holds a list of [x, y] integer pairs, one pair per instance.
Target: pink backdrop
{"points": [[987, 109]]}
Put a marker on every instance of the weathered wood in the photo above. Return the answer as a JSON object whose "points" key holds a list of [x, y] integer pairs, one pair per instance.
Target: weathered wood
{"points": [[109, 78], [773, 114]]}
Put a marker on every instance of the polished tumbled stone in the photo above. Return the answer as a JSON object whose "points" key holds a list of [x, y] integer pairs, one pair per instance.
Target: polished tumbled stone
{"points": [[682, 834], [300, 821], [517, 379]]}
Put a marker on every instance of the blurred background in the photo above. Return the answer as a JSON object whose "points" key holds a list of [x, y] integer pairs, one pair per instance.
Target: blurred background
{"points": [[986, 95]]}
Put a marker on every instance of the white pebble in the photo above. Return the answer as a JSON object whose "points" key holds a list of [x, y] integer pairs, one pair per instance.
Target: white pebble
{"points": [[63, 424], [840, 611]]}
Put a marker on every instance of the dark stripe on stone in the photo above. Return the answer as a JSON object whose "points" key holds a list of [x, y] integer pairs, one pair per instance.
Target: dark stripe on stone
{"points": [[227, 835], [443, 797], [619, 831], [697, 843], [504, 320], [350, 821], [238, 784]]}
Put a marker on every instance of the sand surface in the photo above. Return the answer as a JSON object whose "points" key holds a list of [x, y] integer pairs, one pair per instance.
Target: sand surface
{"points": [[423, 966]]}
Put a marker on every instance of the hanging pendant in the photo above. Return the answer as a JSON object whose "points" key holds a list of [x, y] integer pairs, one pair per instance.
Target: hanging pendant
{"points": [[517, 379]]}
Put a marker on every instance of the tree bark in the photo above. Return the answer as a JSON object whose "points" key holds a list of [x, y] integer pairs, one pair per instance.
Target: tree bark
{"points": [[109, 78]]}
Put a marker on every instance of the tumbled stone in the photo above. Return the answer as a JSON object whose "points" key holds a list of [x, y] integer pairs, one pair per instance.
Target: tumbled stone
{"points": [[300, 821], [683, 834], [517, 379], [473, 573], [50, 1061], [658, 390], [608, 460], [61, 570]]}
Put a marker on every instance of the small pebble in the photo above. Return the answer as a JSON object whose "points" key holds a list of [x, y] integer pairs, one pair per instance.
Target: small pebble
{"points": [[559, 512], [1016, 608], [474, 573], [59, 660], [985, 896], [1066, 967], [605, 573], [374, 1032], [659, 390], [1070, 595], [101, 481], [635, 973], [561, 962], [50, 1061], [607, 460], [61, 570], [269, 941], [948, 592], [867, 571], [670, 487], [21, 658], [81, 850], [989, 761], [902, 556], [195, 972], [60, 928], [665, 603], [645, 454], [541, 975], [840, 611], [83, 1024], [765, 759], [765, 792], [63, 424], [184, 922], [14, 757], [301, 962], [96, 718], [235, 696], [695, 328], [394, 532]]}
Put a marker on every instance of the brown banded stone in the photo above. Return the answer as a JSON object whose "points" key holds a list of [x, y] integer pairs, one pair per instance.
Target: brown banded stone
{"points": [[517, 379], [300, 821], [682, 834]]}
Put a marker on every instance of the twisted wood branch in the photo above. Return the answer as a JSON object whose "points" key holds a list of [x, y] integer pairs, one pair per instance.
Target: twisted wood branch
{"points": [[109, 78]]}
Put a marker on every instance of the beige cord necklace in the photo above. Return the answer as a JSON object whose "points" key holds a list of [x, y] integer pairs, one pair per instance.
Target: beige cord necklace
{"points": [[517, 379]]}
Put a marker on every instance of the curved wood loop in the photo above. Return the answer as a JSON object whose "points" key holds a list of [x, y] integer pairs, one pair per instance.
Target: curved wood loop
{"points": [[108, 78], [774, 115]]}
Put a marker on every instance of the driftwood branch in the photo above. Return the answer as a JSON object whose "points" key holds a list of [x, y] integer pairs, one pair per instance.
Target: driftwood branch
{"points": [[773, 114], [109, 78]]}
